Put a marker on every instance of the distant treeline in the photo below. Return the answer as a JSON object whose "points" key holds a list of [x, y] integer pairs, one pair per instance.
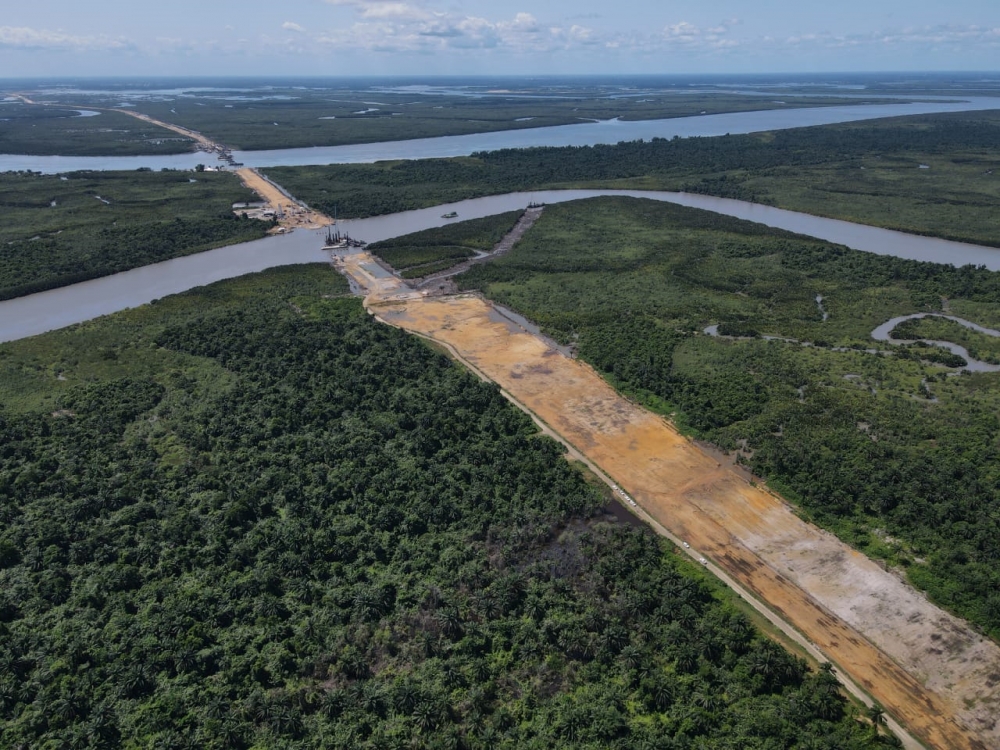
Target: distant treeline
{"points": [[712, 165]]}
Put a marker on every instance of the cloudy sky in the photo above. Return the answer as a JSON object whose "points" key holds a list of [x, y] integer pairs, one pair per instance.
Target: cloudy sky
{"points": [[375, 37]]}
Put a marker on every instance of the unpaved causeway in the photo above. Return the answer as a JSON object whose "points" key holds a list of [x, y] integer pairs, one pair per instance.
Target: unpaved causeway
{"points": [[292, 213], [927, 668]]}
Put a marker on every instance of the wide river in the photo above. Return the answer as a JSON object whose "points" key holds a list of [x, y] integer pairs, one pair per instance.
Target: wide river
{"points": [[583, 134], [46, 311]]}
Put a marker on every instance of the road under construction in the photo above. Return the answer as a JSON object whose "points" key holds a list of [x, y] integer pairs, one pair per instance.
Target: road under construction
{"points": [[287, 212], [937, 679]]}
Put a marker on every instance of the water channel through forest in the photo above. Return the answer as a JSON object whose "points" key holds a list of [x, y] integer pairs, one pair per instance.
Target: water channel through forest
{"points": [[57, 308], [27, 316], [582, 134]]}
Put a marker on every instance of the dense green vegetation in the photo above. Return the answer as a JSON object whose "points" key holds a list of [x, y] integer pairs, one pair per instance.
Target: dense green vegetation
{"points": [[59, 230], [34, 129], [896, 454], [435, 249], [867, 172], [979, 345], [250, 516], [355, 118], [338, 113]]}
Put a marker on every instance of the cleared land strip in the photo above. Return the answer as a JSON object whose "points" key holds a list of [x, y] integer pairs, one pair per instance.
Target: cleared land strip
{"points": [[508, 241], [291, 213], [204, 141], [928, 669]]}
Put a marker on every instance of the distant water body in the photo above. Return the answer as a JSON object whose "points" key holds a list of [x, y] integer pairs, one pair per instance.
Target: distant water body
{"points": [[583, 134]]}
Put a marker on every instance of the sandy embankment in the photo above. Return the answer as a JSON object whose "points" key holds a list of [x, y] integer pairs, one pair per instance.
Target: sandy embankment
{"points": [[291, 213], [206, 143], [927, 668]]}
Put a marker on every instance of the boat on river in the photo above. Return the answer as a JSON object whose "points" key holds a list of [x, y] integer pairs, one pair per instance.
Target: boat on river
{"points": [[450, 215]]}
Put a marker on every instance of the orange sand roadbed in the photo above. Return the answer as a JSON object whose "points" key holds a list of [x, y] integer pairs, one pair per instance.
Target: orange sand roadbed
{"points": [[203, 141], [293, 214], [928, 669], [206, 143]]}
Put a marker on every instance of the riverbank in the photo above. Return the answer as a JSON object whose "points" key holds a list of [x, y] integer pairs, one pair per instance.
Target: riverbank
{"points": [[37, 313], [582, 134], [287, 212], [60, 231]]}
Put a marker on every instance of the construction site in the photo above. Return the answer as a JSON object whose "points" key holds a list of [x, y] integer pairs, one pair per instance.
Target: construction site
{"points": [[938, 679], [934, 675], [287, 212]]}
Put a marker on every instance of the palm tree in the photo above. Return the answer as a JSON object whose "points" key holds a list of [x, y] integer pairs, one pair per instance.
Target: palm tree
{"points": [[876, 715]]}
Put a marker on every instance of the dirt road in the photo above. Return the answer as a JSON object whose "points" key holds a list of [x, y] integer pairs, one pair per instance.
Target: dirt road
{"points": [[526, 222], [927, 668], [206, 143], [291, 213]]}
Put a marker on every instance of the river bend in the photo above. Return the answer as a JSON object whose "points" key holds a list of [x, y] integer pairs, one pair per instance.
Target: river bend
{"points": [[57, 308]]}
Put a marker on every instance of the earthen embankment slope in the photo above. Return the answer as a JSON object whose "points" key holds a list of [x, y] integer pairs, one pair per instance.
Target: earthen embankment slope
{"points": [[871, 624]]}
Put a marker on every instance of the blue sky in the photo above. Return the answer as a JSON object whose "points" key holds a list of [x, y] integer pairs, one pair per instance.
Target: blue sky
{"points": [[392, 37]]}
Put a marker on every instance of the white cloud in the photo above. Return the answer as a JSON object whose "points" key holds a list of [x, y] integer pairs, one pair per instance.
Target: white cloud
{"points": [[401, 11], [421, 26], [930, 37], [523, 23], [392, 26], [292, 26], [687, 36], [27, 38]]}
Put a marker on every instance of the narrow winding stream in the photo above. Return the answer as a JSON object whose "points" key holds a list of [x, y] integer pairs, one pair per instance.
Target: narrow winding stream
{"points": [[884, 333]]}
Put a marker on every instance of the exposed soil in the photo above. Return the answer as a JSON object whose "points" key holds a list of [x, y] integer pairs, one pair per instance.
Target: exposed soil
{"points": [[290, 212], [927, 668], [433, 282], [205, 143]]}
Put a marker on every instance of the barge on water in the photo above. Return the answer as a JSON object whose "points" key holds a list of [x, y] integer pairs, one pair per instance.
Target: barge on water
{"points": [[337, 241]]}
